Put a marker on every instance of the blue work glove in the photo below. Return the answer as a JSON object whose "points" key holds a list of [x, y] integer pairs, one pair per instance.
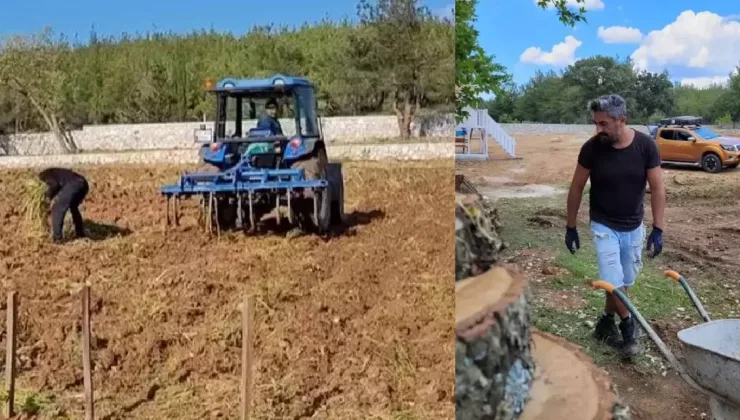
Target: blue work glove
{"points": [[571, 239], [655, 241]]}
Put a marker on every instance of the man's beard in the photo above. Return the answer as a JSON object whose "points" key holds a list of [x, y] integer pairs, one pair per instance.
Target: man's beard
{"points": [[608, 139]]}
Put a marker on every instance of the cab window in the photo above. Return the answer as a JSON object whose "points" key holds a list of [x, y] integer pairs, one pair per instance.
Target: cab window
{"points": [[683, 135], [668, 134]]}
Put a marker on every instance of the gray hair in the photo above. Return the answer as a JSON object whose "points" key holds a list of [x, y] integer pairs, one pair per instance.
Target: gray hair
{"points": [[614, 105]]}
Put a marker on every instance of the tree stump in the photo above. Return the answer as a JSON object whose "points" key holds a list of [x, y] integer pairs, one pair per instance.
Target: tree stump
{"points": [[477, 235], [567, 385], [503, 370], [493, 361]]}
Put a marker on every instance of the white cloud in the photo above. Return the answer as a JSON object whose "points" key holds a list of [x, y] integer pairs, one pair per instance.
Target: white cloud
{"points": [[704, 82], [561, 55], [619, 35], [702, 40], [587, 4]]}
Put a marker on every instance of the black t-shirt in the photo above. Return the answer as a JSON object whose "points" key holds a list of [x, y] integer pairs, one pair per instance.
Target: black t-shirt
{"points": [[618, 179]]}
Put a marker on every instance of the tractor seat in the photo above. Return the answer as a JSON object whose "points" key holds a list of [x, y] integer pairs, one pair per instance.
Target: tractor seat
{"points": [[261, 155]]}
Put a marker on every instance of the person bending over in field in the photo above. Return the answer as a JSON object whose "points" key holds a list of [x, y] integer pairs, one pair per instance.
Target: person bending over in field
{"points": [[69, 188], [619, 161]]}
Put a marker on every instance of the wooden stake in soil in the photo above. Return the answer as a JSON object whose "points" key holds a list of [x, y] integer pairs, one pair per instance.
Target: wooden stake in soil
{"points": [[86, 359], [247, 354], [12, 317]]}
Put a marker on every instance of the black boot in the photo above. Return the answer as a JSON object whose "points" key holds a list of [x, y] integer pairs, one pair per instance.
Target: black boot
{"points": [[630, 347], [606, 330]]}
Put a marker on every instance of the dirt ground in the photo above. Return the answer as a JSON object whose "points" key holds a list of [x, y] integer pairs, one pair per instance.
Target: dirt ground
{"points": [[704, 205], [701, 236], [356, 326]]}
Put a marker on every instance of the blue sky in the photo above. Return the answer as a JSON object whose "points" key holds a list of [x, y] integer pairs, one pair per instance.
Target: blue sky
{"points": [[698, 42], [132, 16]]}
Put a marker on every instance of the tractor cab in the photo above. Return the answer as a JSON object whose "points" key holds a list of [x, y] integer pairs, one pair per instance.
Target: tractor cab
{"points": [[267, 123]]}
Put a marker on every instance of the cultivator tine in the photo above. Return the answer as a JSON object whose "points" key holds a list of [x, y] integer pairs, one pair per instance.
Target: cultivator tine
{"points": [[209, 215], [239, 215], [218, 223], [167, 209], [177, 210], [251, 210], [277, 208], [289, 194], [315, 209], [202, 212]]}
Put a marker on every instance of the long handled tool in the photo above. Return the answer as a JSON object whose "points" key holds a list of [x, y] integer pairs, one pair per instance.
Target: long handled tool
{"points": [[701, 359]]}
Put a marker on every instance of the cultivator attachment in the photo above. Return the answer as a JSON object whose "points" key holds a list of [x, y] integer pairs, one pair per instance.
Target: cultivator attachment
{"points": [[239, 197]]}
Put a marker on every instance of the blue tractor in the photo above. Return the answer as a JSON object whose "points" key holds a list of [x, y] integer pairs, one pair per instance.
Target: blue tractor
{"points": [[264, 168]]}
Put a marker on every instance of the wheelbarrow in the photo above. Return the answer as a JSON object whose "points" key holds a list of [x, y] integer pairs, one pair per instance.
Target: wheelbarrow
{"points": [[712, 355]]}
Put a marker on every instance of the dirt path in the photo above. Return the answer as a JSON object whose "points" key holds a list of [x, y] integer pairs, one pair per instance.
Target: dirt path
{"points": [[700, 238], [357, 326]]}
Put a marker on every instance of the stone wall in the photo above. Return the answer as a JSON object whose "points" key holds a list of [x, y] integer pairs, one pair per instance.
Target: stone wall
{"points": [[372, 152], [116, 138], [337, 130]]}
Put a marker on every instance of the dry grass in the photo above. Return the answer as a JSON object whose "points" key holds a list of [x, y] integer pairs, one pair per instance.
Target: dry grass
{"points": [[35, 208]]}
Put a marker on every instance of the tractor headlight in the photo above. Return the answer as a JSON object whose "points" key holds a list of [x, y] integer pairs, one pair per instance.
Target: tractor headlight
{"points": [[278, 82], [229, 85]]}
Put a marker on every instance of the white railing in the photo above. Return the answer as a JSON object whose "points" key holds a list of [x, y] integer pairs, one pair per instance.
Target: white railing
{"points": [[507, 142], [480, 120]]}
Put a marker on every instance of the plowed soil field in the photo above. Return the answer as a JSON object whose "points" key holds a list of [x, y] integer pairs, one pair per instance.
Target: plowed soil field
{"points": [[359, 325]]}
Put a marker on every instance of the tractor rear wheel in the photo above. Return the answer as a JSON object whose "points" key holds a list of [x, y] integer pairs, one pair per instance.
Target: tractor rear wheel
{"points": [[314, 167], [336, 186], [223, 215]]}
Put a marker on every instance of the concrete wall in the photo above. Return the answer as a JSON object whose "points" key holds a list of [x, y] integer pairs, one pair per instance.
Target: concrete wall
{"points": [[536, 128], [116, 138]]}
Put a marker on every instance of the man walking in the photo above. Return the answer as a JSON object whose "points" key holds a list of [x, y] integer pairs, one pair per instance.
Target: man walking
{"points": [[619, 161], [70, 188]]}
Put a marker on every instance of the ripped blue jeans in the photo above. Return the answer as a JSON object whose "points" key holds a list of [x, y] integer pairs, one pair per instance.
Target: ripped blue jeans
{"points": [[619, 254]]}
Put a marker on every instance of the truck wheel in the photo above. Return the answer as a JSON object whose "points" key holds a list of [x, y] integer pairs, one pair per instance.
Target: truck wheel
{"points": [[711, 163]]}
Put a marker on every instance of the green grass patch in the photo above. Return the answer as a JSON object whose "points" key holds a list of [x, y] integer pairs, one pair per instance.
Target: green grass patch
{"points": [[31, 403], [654, 296]]}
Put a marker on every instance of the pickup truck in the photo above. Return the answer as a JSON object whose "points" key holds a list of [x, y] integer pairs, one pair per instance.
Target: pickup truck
{"points": [[684, 141]]}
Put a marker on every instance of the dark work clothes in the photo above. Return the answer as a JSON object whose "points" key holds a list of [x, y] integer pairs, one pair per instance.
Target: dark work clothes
{"points": [[266, 122], [618, 179], [69, 188]]}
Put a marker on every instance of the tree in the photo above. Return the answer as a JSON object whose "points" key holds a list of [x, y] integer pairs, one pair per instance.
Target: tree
{"points": [[158, 77], [476, 73], [34, 68], [654, 93], [503, 107], [393, 32], [600, 75], [729, 102]]}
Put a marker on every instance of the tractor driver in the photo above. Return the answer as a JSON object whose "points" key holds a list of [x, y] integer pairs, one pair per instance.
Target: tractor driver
{"points": [[268, 120]]}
